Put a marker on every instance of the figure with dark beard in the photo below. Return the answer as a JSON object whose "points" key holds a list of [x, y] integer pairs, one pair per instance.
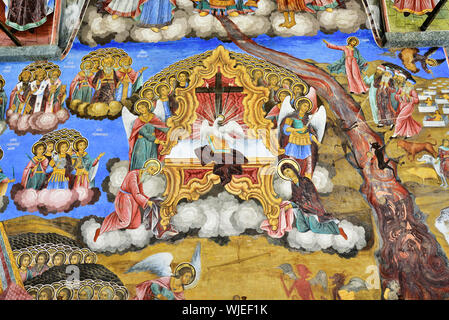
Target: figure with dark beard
{"points": [[385, 87], [105, 82]]}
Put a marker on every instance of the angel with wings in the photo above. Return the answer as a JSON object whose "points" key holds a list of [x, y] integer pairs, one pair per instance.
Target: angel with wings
{"points": [[172, 282], [301, 133], [146, 134]]}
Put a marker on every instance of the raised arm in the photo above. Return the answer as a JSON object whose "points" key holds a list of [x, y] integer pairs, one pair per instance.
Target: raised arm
{"points": [[333, 46]]}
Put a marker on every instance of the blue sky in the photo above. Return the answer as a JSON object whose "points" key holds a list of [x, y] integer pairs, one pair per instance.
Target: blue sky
{"points": [[158, 56]]}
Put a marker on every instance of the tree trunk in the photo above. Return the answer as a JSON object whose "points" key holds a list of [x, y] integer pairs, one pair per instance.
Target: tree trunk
{"points": [[410, 254]]}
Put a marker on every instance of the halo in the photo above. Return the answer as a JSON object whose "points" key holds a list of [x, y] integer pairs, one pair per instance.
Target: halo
{"points": [[288, 78], [188, 265], [2, 81], [144, 90], [305, 86], [159, 164], [90, 254], [60, 142], [76, 252], [37, 144], [353, 38], [254, 70], [141, 102], [268, 75], [87, 61], [72, 293], [285, 161], [22, 254], [90, 289], [125, 58], [62, 253], [112, 291], [182, 71], [52, 290], [75, 143], [300, 100], [123, 291], [283, 90], [156, 89], [47, 256]]}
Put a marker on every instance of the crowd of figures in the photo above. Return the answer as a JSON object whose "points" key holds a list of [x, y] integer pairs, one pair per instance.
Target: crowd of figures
{"points": [[84, 290], [60, 161], [39, 90], [158, 15], [393, 99], [107, 80], [34, 261]]}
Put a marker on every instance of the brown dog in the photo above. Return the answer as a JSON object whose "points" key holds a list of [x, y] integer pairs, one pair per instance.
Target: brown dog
{"points": [[413, 148]]}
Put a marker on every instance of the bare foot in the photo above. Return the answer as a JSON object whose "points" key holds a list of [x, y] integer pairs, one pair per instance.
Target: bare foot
{"points": [[114, 17], [164, 28], [329, 9], [203, 13], [343, 234], [284, 24], [234, 14], [291, 24], [155, 29], [97, 234]]}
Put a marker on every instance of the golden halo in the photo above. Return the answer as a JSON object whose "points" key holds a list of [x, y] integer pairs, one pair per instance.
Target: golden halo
{"points": [[19, 257], [143, 102], [86, 62], [47, 288], [300, 83], [61, 253], [124, 59], [2, 81], [301, 100], [288, 78], [282, 163], [145, 90], [89, 289], [111, 290], [289, 93], [348, 41], [123, 291], [65, 288], [183, 71], [37, 144], [186, 265], [61, 142], [269, 75], [156, 89], [75, 143], [254, 70], [157, 162]]}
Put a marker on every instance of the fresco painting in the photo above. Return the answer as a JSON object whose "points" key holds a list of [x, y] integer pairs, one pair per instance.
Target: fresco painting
{"points": [[273, 144]]}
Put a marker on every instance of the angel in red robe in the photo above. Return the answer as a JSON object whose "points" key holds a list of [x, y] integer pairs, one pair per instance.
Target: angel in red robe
{"points": [[418, 7], [129, 200]]}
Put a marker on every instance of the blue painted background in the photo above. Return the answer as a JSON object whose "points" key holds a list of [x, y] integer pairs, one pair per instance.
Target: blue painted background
{"points": [[157, 56]]}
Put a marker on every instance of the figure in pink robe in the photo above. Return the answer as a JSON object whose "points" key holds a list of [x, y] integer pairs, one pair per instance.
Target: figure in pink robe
{"points": [[351, 63], [418, 7], [127, 203], [406, 126]]}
